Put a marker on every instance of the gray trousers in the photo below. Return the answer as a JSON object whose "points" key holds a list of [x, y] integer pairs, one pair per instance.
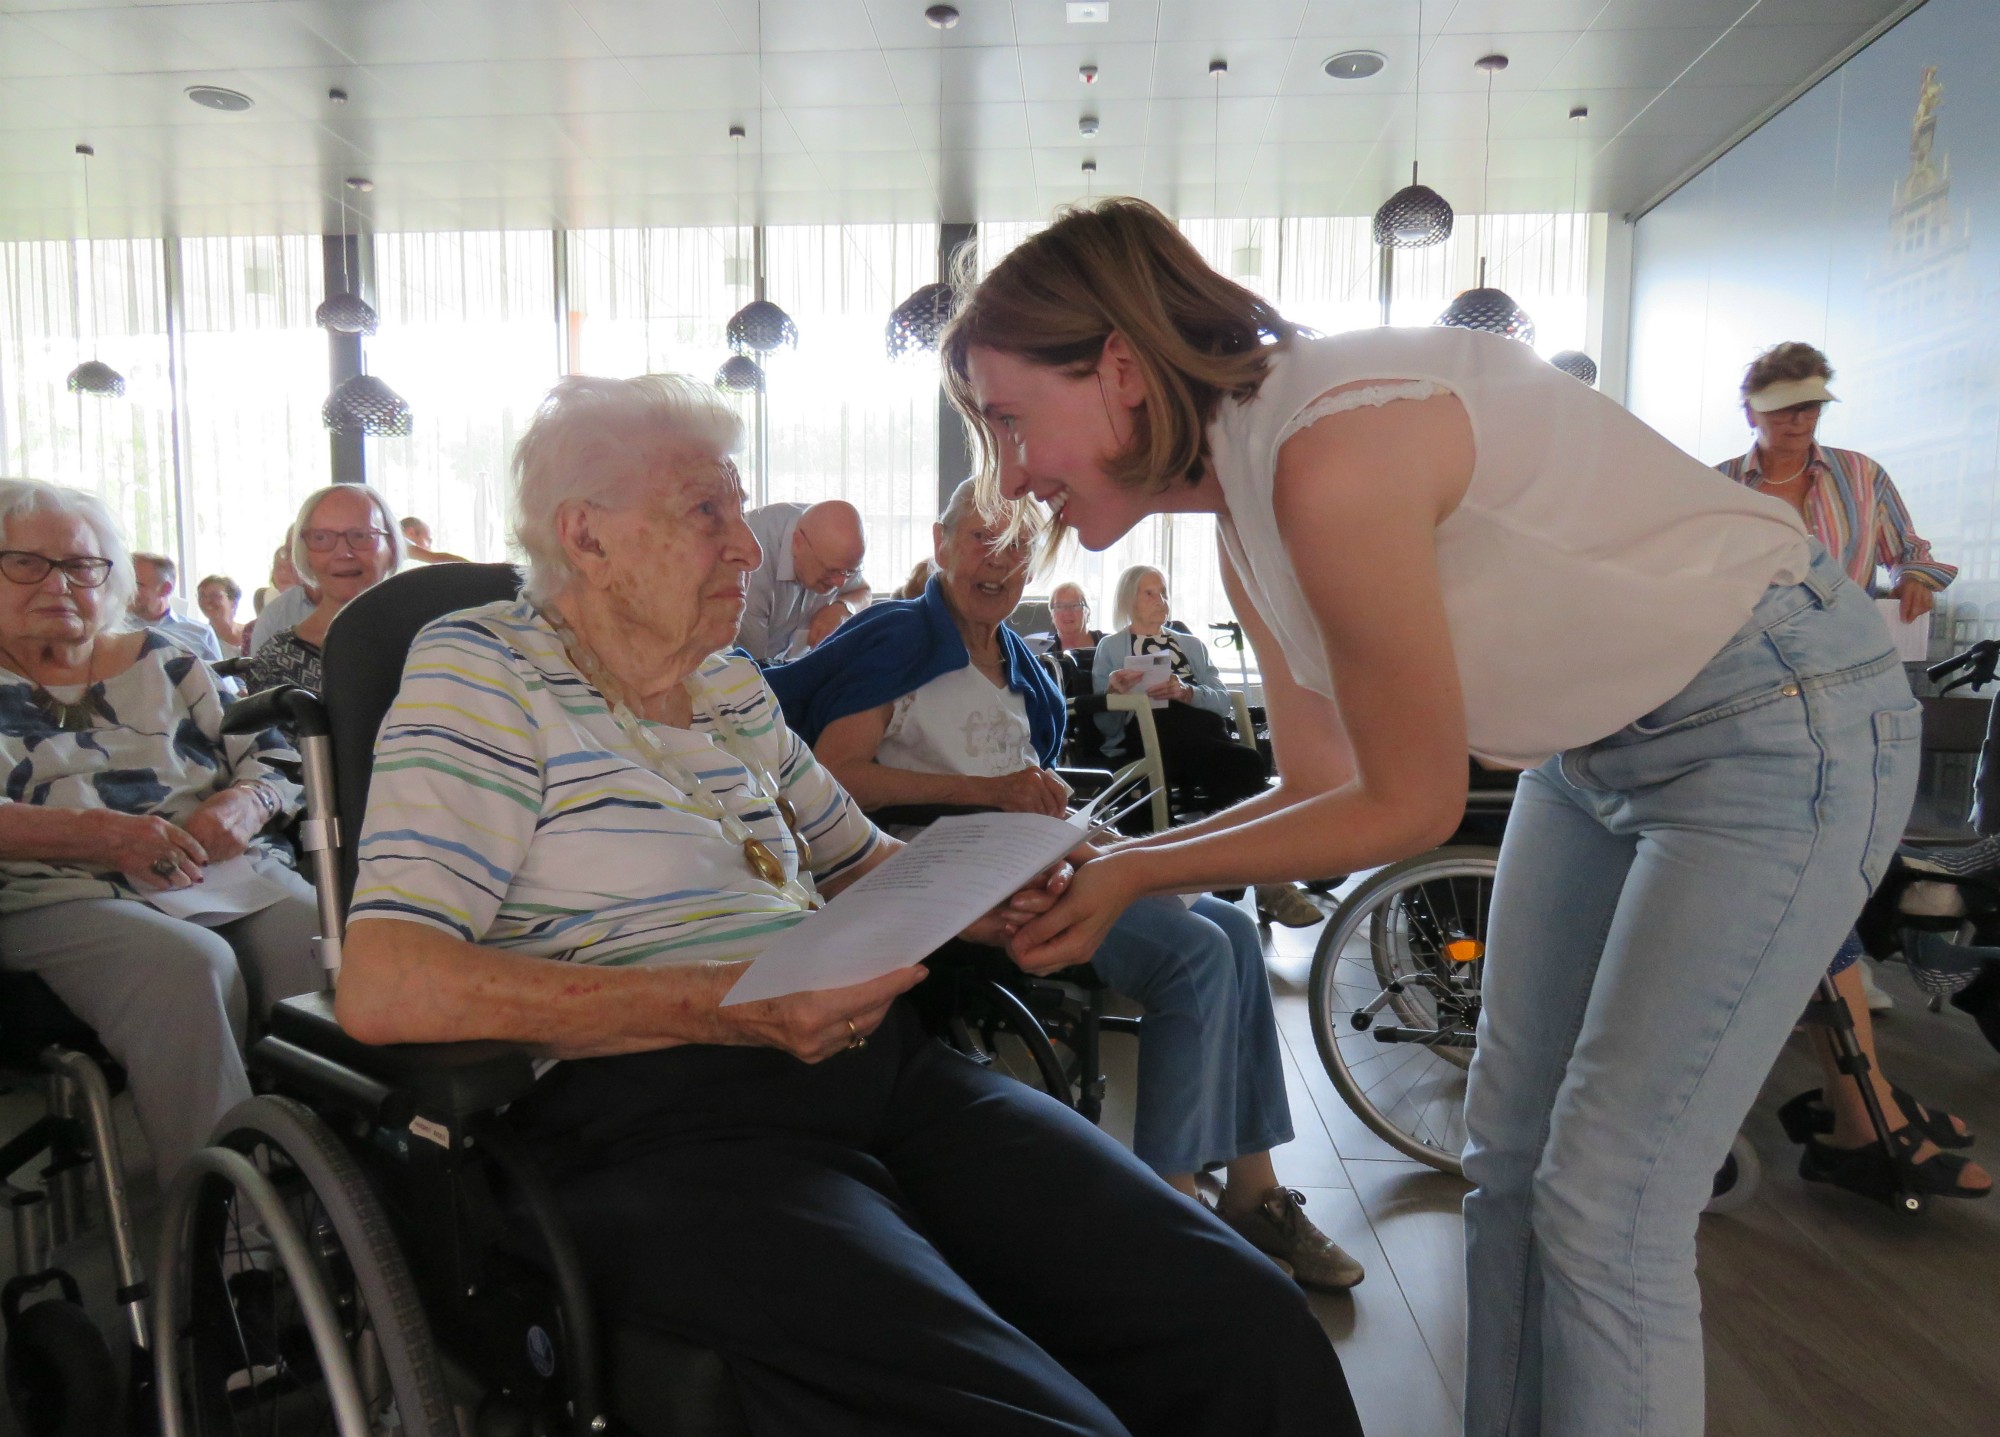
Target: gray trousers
{"points": [[170, 1000]]}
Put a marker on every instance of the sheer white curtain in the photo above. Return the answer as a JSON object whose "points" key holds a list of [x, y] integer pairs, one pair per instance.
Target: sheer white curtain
{"points": [[845, 421], [255, 378], [120, 449], [468, 337]]}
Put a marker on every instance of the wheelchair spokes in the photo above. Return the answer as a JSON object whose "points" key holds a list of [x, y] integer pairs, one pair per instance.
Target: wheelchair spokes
{"points": [[1396, 994]]}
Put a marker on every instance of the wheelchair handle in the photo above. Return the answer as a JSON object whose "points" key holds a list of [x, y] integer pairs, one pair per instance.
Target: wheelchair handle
{"points": [[284, 703], [1980, 661]]}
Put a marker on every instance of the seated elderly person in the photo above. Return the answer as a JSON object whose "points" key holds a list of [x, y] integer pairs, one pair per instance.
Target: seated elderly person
{"points": [[121, 786], [588, 818], [344, 543], [936, 701]]}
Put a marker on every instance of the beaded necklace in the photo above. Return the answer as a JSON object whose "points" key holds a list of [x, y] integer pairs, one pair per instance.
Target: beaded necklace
{"points": [[763, 862]]}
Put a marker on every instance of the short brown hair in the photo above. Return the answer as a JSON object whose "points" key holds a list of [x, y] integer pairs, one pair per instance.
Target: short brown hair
{"points": [[1794, 359], [224, 583], [1117, 266]]}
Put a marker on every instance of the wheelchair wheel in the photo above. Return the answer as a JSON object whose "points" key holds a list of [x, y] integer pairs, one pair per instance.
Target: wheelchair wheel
{"points": [[241, 1337], [60, 1379], [1395, 998]]}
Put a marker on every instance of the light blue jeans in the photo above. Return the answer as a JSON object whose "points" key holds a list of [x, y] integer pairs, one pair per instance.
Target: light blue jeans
{"points": [[1665, 904], [1211, 1082]]}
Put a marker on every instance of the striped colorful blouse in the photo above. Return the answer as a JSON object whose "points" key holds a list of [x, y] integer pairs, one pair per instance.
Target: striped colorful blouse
{"points": [[508, 808], [1853, 508]]}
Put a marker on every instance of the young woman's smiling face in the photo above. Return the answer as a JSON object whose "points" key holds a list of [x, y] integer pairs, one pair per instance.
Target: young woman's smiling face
{"points": [[1054, 431]]}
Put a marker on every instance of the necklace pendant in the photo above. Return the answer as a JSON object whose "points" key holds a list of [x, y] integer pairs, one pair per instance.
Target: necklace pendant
{"points": [[763, 862]]}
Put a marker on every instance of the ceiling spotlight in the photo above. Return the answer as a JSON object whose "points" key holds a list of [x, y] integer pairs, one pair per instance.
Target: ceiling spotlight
{"points": [[1087, 125], [337, 95], [941, 17], [1087, 74], [1087, 12], [360, 184], [1355, 64], [214, 97]]}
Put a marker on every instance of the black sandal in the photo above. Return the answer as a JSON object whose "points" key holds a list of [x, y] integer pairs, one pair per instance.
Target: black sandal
{"points": [[1807, 1116], [1870, 1172]]}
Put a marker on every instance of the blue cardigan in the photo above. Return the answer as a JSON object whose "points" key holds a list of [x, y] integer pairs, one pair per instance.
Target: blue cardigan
{"points": [[895, 648]]}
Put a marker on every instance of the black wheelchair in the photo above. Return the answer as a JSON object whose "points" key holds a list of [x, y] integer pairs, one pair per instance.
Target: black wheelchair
{"points": [[362, 1250]]}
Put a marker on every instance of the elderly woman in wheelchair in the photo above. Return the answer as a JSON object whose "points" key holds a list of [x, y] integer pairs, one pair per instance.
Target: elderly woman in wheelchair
{"points": [[935, 701], [122, 792], [584, 821]]}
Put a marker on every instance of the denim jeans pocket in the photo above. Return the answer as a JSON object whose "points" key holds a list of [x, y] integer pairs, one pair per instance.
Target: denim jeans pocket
{"points": [[1898, 739]]}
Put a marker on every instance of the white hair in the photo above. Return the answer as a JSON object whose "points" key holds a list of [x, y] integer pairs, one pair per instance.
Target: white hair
{"points": [[302, 556], [964, 504], [1128, 593], [32, 496], [599, 441]]}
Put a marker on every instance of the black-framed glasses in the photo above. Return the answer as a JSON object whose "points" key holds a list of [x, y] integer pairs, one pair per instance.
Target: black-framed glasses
{"points": [[322, 541], [1078, 607], [82, 571]]}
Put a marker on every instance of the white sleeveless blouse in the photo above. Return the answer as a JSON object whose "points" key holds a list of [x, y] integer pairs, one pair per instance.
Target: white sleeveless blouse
{"points": [[1591, 570]]}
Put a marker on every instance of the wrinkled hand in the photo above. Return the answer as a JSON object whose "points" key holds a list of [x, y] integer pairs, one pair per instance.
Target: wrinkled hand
{"points": [[1169, 688], [1029, 790], [1917, 596], [226, 823], [1123, 681], [823, 623], [1070, 932], [131, 843], [812, 1027], [996, 927]]}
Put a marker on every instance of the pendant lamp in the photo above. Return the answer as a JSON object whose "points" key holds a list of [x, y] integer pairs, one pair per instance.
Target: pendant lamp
{"points": [[365, 405], [916, 325], [1485, 308], [347, 312], [740, 374], [1416, 215], [760, 327], [1574, 362], [93, 376]]}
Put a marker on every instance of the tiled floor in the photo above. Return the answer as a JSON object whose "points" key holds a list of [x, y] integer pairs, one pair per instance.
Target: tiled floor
{"points": [[1826, 1315]]}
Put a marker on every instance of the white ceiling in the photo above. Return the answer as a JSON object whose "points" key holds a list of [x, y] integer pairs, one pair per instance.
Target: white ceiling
{"points": [[472, 114]]}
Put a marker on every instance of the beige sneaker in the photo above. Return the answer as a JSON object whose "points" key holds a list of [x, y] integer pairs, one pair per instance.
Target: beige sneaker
{"points": [[1279, 1228], [1284, 903]]}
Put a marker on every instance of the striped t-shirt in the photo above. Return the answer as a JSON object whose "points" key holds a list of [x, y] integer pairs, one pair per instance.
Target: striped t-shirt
{"points": [[509, 808]]}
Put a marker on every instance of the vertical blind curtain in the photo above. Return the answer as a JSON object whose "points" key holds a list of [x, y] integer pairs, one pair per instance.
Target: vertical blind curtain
{"points": [[468, 337], [118, 449], [255, 375]]}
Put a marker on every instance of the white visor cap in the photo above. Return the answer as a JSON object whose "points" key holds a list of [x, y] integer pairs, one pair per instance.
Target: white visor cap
{"points": [[1787, 392]]}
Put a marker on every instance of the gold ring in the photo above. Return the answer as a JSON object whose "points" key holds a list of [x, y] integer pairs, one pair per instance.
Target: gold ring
{"points": [[854, 1039]]}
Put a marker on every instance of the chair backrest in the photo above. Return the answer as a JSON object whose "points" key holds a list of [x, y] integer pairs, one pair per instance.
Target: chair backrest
{"points": [[1031, 616], [362, 669]]}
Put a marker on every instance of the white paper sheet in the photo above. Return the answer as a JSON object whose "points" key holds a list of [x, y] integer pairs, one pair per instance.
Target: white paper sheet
{"points": [[1913, 641], [1153, 668], [229, 890], [942, 880]]}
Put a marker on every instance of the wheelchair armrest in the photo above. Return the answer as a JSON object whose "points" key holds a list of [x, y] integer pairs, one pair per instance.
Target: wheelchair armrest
{"points": [[283, 703], [452, 1081], [1084, 782]]}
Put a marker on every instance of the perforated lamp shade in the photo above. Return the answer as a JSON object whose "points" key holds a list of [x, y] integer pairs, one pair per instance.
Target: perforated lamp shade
{"points": [[1492, 310], [1413, 217], [919, 321], [761, 327], [347, 313], [1576, 364], [740, 374], [365, 405], [94, 376]]}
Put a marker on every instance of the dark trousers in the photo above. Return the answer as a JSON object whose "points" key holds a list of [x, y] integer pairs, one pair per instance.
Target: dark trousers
{"points": [[1200, 756], [900, 1241]]}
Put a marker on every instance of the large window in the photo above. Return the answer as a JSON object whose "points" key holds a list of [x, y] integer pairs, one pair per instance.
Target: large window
{"points": [[255, 377], [468, 337], [63, 303]]}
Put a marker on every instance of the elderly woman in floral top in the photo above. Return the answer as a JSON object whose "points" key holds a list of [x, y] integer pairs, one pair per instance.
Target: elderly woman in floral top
{"points": [[120, 786]]}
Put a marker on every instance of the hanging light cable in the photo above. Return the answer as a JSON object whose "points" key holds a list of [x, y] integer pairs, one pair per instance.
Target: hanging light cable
{"points": [[1574, 362], [916, 325], [93, 376], [361, 403], [1483, 308], [739, 374], [346, 312], [1416, 215]]}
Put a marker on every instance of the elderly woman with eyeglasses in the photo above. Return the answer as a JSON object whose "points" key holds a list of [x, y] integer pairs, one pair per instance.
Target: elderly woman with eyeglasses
{"points": [[344, 543], [598, 817], [121, 787]]}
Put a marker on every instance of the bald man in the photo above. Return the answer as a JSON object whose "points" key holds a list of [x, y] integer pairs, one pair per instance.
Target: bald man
{"points": [[812, 564]]}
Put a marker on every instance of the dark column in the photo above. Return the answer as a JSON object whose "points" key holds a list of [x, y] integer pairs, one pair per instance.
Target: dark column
{"points": [[350, 464], [954, 452]]}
